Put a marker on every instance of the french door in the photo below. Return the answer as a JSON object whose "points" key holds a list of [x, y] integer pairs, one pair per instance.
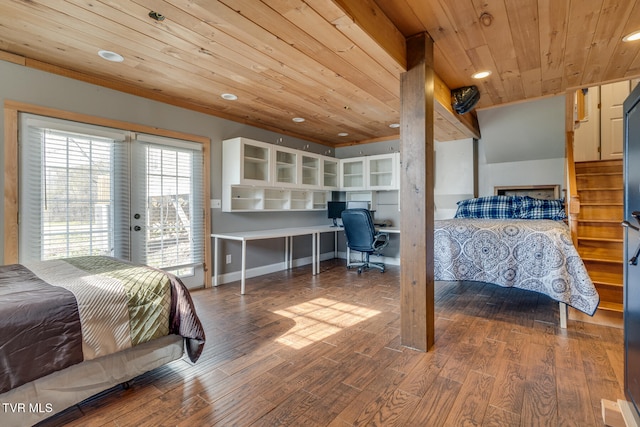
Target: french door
{"points": [[88, 190], [167, 221]]}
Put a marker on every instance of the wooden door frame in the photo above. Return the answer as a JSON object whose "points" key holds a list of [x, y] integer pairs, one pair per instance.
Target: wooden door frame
{"points": [[12, 109]]}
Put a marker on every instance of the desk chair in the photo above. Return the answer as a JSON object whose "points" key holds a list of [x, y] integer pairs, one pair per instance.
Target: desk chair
{"points": [[362, 237]]}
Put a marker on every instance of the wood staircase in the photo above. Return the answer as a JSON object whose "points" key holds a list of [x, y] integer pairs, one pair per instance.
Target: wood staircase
{"points": [[600, 235]]}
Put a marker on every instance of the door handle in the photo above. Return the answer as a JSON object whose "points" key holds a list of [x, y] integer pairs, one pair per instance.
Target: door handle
{"points": [[636, 255], [634, 258], [137, 228]]}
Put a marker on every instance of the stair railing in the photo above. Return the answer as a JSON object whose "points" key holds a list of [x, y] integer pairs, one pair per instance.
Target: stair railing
{"points": [[572, 199]]}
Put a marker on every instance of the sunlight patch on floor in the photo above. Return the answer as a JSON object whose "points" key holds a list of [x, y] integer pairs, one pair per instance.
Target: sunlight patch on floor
{"points": [[320, 318]]}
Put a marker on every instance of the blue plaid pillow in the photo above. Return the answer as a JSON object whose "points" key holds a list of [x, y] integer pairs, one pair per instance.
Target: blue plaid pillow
{"points": [[530, 208], [497, 207]]}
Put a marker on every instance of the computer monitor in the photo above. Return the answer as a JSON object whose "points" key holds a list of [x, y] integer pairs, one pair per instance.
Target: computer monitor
{"points": [[357, 204], [334, 210]]}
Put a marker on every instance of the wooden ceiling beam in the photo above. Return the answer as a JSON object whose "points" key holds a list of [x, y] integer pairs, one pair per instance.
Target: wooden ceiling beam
{"points": [[367, 25], [378, 36]]}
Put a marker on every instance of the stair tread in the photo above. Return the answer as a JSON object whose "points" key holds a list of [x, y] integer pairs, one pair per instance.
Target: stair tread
{"points": [[599, 221], [610, 306], [597, 173], [601, 239], [614, 285], [601, 189], [607, 260], [600, 204], [614, 280]]}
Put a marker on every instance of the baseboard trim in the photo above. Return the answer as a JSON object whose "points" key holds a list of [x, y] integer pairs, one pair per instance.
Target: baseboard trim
{"points": [[235, 276]]}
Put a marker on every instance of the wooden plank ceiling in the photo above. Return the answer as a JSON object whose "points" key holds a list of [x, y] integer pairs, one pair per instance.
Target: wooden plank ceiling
{"points": [[335, 63]]}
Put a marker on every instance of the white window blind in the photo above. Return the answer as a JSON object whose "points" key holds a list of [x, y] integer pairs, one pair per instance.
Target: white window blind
{"points": [[67, 189], [168, 177]]}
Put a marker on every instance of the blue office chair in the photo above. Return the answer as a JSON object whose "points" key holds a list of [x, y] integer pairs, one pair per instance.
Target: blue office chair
{"points": [[362, 237]]}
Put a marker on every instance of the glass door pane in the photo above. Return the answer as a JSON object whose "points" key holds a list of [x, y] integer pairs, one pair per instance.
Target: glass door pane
{"points": [[330, 173], [255, 163], [381, 172], [286, 167], [68, 202], [310, 171], [353, 174], [167, 211]]}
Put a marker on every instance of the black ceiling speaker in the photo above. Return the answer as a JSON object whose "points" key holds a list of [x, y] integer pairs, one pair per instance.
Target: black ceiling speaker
{"points": [[464, 99]]}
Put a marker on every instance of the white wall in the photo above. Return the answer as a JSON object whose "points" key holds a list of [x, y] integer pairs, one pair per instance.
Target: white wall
{"points": [[522, 144], [530, 172], [532, 130], [454, 175]]}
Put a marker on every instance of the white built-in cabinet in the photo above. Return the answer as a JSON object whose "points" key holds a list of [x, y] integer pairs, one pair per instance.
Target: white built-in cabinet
{"points": [[330, 173], [378, 172], [286, 163], [251, 162], [352, 174], [258, 176]]}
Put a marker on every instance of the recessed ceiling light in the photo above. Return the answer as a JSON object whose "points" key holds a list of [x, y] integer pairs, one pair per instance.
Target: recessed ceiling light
{"points": [[394, 125], [229, 96], [632, 37], [481, 74], [298, 119], [110, 56], [343, 134]]}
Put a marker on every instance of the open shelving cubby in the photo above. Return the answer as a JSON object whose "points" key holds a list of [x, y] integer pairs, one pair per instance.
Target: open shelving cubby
{"points": [[246, 198]]}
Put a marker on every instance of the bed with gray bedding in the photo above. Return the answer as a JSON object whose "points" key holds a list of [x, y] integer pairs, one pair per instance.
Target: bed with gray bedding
{"points": [[63, 314], [536, 255]]}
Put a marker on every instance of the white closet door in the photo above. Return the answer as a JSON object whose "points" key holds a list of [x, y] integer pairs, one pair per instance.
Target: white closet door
{"points": [[612, 97]]}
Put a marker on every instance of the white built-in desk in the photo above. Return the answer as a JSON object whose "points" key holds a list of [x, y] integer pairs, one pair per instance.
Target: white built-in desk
{"points": [[288, 234]]}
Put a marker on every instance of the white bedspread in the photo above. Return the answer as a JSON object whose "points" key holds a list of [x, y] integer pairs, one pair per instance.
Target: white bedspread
{"points": [[537, 255]]}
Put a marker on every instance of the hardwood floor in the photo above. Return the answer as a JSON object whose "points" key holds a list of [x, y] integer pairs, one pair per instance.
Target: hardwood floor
{"points": [[301, 350]]}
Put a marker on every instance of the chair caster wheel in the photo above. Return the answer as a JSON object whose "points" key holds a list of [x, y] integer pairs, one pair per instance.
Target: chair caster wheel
{"points": [[359, 270]]}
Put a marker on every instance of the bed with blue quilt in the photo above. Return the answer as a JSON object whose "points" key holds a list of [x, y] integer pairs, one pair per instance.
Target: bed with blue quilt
{"points": [[514, 241]]}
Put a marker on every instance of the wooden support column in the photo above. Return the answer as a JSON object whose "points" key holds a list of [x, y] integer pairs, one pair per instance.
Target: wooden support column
{"points": [[417, 317]]}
